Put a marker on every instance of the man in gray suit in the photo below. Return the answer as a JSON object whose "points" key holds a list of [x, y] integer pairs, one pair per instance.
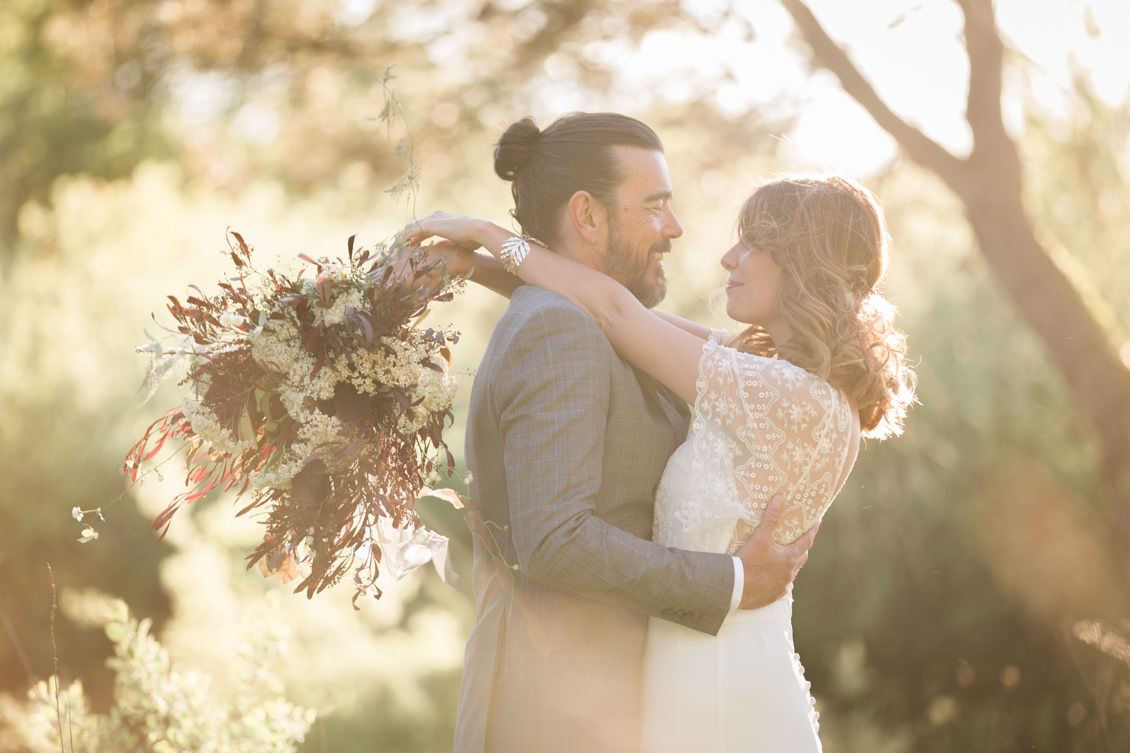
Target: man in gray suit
{"points": [[566, 444]]}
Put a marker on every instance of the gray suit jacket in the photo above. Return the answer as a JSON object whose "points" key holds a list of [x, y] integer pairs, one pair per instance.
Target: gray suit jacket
{"points": [[566, 444]]}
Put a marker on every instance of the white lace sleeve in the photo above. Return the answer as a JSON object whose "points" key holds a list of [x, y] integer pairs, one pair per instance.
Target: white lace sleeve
{"points": [[793, 433], [719, 336]]}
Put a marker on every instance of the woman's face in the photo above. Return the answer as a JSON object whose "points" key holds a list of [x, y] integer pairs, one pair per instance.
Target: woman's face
{"points": [[753, 291]]}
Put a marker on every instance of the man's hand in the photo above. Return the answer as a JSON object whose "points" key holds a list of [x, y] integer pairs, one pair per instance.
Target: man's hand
{"points": [[770, 567]]}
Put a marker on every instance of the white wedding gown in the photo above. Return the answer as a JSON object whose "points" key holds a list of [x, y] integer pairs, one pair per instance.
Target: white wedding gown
{"points": [[761, 426]]}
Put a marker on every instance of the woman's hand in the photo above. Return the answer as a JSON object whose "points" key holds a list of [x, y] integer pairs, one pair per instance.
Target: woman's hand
{"points": [[460, 237], [466, 233], [445, 256], [442, 257]]}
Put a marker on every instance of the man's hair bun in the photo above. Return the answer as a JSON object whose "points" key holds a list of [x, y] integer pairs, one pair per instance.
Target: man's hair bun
{"points": [[515, 148]]}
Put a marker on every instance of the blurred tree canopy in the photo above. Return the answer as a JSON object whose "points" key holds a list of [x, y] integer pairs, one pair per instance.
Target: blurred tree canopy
{"points": [[284, 88], [939, 609]]}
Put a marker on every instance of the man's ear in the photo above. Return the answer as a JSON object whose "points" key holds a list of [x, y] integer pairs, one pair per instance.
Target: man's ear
{"points": [[587, 216]]}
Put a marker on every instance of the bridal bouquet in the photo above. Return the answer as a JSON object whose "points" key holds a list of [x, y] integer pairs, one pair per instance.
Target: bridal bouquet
{"points": [[321, 401]]}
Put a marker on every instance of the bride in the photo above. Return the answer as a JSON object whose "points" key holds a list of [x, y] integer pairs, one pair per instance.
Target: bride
{"points": [[780, 408]]}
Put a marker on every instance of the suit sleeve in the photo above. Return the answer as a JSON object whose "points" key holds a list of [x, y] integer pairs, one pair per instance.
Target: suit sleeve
{"points": [[554, 393]]}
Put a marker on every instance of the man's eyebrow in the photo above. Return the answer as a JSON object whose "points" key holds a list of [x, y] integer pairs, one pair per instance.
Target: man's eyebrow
{"points": [[658, 196]]}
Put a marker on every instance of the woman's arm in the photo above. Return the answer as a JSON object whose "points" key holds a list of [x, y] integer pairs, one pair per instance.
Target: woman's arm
{"points": [[661, 348], [485, 270], [698, 330]]}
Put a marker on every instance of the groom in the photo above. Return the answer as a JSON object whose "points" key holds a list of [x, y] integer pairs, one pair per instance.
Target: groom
{"points": [[566, 444]]}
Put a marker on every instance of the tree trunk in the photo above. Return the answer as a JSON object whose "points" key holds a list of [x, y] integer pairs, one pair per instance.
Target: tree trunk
{"points": [[1075, 343]]}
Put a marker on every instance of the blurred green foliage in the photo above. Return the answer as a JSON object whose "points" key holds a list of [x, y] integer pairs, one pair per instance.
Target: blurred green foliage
{"points": [[165, 710], [937, 609]]}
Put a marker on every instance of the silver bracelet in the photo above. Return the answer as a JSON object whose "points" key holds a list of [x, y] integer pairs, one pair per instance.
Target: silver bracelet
{"points": [[514, 251]]}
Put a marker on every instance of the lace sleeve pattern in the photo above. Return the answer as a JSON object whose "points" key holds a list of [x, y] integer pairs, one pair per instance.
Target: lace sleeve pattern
{"points": [[719, 336], [791, 432]]}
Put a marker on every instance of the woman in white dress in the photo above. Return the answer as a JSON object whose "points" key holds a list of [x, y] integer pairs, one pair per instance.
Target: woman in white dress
{"points": [[780, 408]]}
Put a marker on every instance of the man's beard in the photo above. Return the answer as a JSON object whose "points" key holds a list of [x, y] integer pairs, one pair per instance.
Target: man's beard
{"points": [[619, 263]]}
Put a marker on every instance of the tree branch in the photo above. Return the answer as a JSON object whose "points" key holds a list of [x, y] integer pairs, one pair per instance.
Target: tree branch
{"points": [[831, 56], [983, 105]]}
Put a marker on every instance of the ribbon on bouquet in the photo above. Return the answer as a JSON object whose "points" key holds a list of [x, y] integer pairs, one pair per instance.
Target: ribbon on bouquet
{"points": [[405, 549]]}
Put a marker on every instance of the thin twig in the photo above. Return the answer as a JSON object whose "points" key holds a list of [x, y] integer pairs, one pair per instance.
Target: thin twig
{"points": [[55, 659], [407, 146]]}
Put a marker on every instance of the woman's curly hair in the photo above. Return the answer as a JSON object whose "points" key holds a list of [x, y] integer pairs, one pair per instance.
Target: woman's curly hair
{"points": [[830, 239]]}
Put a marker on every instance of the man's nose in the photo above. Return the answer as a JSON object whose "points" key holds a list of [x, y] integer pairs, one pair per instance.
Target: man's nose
{"points": [[672, 228]]}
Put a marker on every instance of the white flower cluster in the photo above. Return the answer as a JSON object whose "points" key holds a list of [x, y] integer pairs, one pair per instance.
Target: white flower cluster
{"points": [[401, 365], [206, 426], [335, 314], [279, 476], [437, 388], [278, 349], [316, 431], [231, 319]]}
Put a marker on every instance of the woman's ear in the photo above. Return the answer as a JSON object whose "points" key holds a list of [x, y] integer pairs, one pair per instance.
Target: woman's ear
{"points": [[587, 216]]}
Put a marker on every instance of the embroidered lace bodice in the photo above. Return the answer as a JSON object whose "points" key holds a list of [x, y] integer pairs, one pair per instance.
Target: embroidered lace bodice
{"points": [[761, 426]]}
